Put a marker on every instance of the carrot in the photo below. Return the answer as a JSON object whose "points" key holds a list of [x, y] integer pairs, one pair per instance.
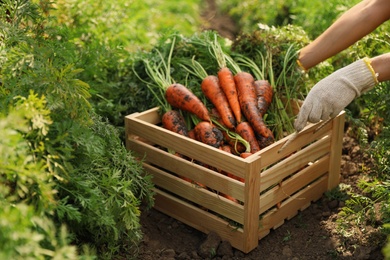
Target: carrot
{"points": [[245, 155], [225, 147], [265, 141], [211, 88], [216, 116], [179, 96], [174, 121], [264, 93], [229, 197], [208, 133], [176, 94], [248, 103], [225, 76], [191, 133], [228, 86], [237, 146], [245, 130]]}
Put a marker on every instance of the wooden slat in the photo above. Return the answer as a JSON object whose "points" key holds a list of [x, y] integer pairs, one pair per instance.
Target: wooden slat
{"points": [[200, 219], [288, 187], [300, 159], [186, 146], [184, 168], [197, 195], [270, 154], [291, 206]]}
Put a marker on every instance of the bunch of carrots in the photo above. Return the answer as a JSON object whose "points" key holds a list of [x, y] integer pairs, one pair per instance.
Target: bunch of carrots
{"points": [[234, 123]]}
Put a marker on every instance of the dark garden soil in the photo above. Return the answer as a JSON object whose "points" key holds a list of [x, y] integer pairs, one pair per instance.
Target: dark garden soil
{"points": [[312, 234]]}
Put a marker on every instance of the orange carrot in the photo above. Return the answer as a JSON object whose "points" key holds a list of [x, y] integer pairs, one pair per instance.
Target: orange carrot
{"points": [[225, 147], [191, 133], [174, 121], [264, 93], [236, 146], [248, 102], [211, 88], [216, 116], [245, 155], [179, 96], [225, 76], [244, 129], [207, 133], [228, 86]]}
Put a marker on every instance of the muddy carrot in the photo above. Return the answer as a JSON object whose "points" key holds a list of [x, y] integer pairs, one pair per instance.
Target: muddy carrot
{"points": [[208, 133], [264, 93], [211, 88], [237, 146], [174, 121], [182, 98], [244, 129], [248, 102]]}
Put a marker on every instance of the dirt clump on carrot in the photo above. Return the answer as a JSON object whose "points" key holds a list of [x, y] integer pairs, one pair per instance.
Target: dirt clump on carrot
{"points": [[245, 130], [173, 120], [209, 134]]}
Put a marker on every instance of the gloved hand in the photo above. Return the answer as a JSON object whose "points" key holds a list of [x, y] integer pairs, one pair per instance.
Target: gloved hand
{"points": [[333, 93]]}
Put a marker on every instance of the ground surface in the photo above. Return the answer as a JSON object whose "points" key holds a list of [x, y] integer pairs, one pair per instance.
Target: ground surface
{"points": [[309, 235]]}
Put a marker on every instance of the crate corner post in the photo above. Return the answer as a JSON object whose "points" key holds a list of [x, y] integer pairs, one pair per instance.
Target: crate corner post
{"points": [[252, 204], [335, 150]]}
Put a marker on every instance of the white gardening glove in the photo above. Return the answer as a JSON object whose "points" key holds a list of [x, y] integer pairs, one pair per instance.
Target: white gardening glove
{"points": [[333, 93]]}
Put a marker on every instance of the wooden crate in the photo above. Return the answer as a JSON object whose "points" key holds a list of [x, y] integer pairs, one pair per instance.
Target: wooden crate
{"points": [[277, 185]]}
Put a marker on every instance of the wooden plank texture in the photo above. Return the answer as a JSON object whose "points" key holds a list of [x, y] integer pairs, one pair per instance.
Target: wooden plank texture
{"points": [[197, 195], [200, 219], [293, 184], [291, 206], [296, 161]]}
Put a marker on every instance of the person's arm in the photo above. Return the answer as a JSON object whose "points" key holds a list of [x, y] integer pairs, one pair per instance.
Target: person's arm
{"points": [[381, 66], [353, 25]]}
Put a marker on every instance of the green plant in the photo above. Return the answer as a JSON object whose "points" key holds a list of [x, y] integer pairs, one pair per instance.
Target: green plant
{"points": [[27, 193], [287, 237], [73, 168]]}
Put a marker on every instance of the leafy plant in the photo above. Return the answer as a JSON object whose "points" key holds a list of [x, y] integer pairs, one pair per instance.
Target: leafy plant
{"points": [[66, 163]]}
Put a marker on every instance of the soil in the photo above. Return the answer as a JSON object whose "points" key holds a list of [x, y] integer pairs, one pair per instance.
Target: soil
{"points": [[312, 234]]}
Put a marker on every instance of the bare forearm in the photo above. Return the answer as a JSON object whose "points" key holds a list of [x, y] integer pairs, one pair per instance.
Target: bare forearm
{"points": [[381, 66], [353, 25]]}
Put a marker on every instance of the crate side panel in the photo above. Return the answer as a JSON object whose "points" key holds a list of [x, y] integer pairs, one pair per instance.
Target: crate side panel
{"points": [[271, 155], [184, 168], [197, 195], [186, 146], [293, 184], [293, 163], [290, 207], [199, 219]]}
